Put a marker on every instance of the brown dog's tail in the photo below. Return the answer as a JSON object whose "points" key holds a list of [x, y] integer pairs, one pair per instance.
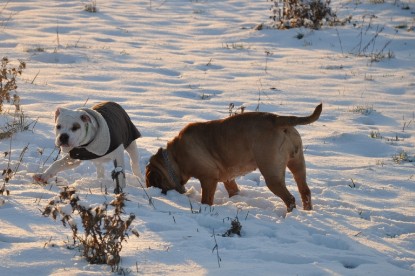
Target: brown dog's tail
{"points": [[285, 121]]}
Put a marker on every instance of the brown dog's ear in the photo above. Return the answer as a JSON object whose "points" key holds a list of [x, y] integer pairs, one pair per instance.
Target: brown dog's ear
{"points": [[159, 151], [154, 179]]}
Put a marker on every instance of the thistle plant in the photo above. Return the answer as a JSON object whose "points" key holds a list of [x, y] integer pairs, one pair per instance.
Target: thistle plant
{"points": [[104, 229]]}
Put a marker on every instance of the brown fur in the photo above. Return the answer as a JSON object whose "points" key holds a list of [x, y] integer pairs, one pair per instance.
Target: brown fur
{"points": [[220, 150]]}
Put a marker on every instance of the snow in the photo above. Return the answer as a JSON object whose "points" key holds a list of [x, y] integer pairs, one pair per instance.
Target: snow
{"points": [[169, 63]]}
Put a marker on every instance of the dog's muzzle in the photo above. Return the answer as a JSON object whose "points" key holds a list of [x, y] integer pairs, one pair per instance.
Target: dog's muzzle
{"points": [[63, 139]]}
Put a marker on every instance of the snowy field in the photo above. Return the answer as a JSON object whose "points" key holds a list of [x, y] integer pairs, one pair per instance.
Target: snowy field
{"points": [[169, 63]]}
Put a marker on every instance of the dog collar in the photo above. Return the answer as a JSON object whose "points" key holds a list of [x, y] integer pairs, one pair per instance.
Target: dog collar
{"points": [[86, 135], [86, 131], [170, 170]]}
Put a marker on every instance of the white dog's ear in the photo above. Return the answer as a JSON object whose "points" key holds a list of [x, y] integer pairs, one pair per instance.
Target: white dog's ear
{"points": [[57, 112], [85, 118]]}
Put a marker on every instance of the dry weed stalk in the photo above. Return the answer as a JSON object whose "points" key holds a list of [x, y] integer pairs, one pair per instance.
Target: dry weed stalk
{"points": [[8, 75], [16, 122], [3, 22], [235, 110], [9, 173]]}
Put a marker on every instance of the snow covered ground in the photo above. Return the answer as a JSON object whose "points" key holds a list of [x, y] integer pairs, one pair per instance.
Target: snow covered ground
{"points": [[169, 63]]}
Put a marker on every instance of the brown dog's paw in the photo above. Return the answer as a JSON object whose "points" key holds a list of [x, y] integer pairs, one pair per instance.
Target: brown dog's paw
{"points": [[233, 193], [291, 207], [308, 207]]}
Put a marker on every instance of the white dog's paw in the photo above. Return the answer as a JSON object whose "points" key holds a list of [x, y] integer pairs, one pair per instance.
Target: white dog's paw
{"points": [[40, 178], [140, 178]]}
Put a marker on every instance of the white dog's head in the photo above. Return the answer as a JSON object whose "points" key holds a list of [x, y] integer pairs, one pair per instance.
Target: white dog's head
{"points": [[73, 128]]}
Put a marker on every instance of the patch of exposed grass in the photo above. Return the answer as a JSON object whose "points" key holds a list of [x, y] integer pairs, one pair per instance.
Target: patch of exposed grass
{"points": [[362, 109], [287, 14], [91, 7], [402, 156]]}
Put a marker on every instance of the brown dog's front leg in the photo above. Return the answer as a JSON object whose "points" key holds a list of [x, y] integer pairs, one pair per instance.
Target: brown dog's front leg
{"points": [[208, 191]]}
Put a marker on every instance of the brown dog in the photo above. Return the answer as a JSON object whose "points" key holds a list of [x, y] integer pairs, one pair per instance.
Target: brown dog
{"points": [[220, 150]]}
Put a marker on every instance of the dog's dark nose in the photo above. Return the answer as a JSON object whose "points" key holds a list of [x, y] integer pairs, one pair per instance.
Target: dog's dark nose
{"points": [[64, 138]]}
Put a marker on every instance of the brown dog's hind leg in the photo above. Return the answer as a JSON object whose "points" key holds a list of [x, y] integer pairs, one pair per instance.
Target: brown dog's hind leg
{"points": [[277, 186], [273, 171], [231, 187], [275, 181], [297, 167], [208, 191]]}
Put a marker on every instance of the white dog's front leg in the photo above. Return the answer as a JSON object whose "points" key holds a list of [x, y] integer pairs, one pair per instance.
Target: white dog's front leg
{"points": [[100, 169], [60, 165], [119, 166], [134, 160]]}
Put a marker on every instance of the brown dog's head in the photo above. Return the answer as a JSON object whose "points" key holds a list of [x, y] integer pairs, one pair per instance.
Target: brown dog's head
{"points": [[157, 174]]}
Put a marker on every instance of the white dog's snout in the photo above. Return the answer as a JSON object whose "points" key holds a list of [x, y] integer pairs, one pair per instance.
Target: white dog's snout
{"points": [[63, 139]]}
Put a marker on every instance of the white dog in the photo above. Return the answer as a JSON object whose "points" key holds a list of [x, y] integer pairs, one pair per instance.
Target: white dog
{"points": [[99, 134]]}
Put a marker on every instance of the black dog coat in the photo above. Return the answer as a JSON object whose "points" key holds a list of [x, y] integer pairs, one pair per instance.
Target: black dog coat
{"points": [[114, 128]]}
